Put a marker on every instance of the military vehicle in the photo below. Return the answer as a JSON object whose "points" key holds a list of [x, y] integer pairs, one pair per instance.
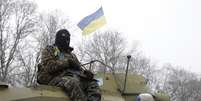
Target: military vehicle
{"points": [[114, 87]]}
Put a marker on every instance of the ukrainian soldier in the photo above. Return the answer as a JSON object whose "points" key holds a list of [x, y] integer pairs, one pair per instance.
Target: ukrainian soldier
{"points": [[60, 67]]}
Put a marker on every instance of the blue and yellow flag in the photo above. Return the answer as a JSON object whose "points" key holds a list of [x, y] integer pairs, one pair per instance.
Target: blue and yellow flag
{"points": [[92, 22]]}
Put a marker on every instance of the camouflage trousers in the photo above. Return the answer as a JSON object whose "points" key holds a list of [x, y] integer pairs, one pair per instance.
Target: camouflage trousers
{"points": [[78, 89]]}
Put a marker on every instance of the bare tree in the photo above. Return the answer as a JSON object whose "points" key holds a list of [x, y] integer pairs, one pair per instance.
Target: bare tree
{"points": [[143, 66], [48, 25], [107, 47], [17, 21], [5, 14], [181, 85], [28, 62]]}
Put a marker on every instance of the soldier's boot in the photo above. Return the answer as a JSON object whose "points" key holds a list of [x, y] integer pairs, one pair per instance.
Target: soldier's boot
{"points": [[93, 92], [72, 87]]}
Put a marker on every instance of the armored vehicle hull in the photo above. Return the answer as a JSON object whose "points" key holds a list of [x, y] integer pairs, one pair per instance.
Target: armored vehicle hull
{"points": [[111, 87]]}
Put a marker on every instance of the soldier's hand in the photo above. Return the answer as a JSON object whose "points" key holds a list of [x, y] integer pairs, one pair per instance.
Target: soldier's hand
{"points": [[73, 64]]}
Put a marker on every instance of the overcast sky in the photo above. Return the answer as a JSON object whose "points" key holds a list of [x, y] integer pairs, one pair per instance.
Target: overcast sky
{"points": [[169, 31]]}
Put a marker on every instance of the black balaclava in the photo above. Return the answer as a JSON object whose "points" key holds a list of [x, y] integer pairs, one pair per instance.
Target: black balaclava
{"points": [[63, 40]]}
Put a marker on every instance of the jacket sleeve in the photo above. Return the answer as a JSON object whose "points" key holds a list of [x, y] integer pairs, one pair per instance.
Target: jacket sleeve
{"points": [[50, 63], [76, 64]]}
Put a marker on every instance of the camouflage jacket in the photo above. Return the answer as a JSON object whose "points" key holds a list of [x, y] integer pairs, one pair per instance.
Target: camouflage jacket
{"points": [[54, 63]]}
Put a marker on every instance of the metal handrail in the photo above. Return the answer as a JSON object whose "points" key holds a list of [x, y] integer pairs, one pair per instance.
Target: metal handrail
{"points": [[99, 62]]}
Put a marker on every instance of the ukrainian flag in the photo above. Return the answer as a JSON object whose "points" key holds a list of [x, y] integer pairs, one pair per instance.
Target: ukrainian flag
{"points": [[92, 22]]}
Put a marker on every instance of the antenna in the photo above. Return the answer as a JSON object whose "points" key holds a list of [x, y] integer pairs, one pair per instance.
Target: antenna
{"points": [[125, 80]]}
